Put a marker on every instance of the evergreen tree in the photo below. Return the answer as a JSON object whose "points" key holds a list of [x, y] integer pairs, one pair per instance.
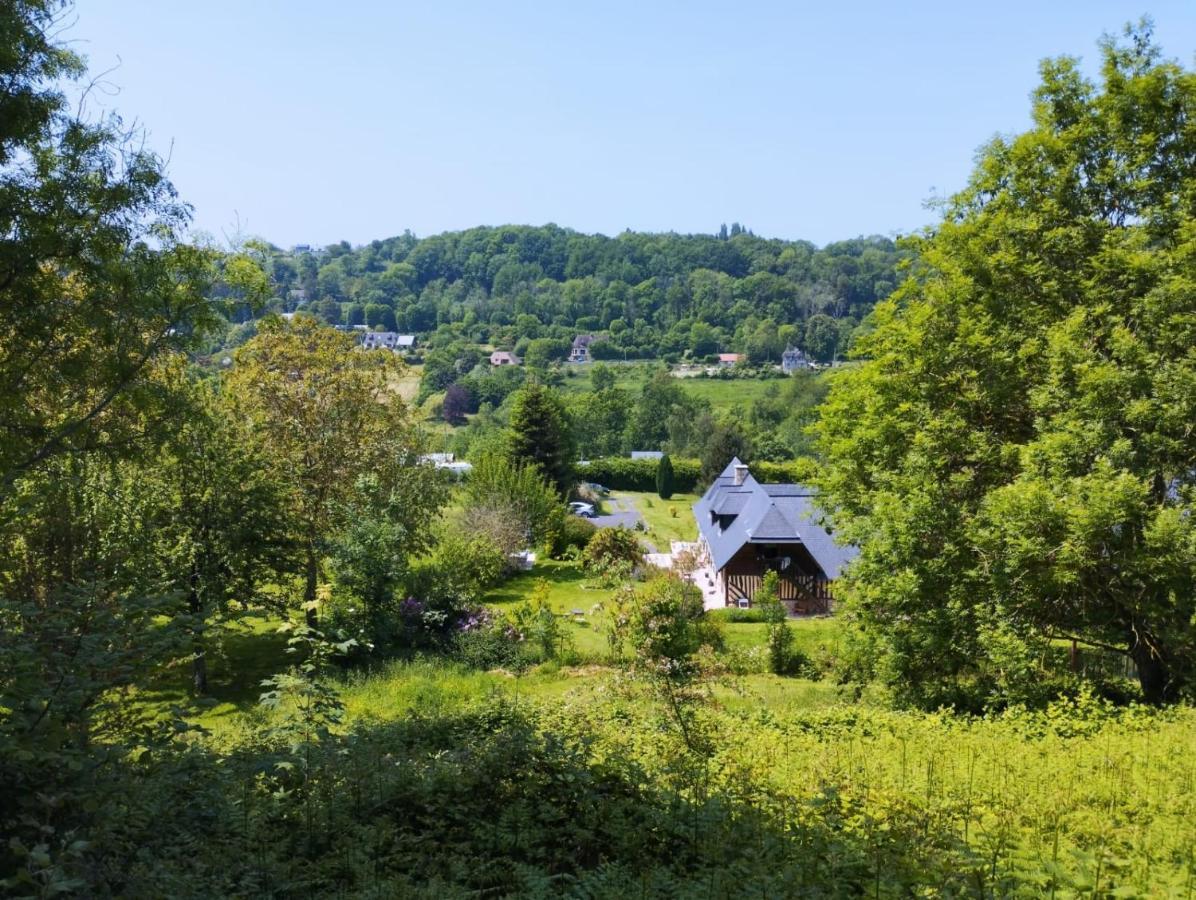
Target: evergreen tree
{"points": [[727, 441], [664, 478], [541, 434]]}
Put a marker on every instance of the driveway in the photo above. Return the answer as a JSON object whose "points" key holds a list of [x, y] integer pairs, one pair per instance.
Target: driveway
{"points": [[620, 511]]}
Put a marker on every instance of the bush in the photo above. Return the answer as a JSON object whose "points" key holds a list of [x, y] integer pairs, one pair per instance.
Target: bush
{"points": [[625, 474], [640, 474], [575, 534], [735, 614], [610, 546]]}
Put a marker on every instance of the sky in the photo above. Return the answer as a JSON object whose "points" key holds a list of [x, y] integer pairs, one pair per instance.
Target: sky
{"points": [[313, 122]]}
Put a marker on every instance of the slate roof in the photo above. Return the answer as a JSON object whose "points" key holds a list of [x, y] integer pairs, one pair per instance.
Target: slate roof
{"points": [[730, 515]]}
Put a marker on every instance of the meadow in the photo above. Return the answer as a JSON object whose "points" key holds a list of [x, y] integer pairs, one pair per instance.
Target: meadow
{"points": [[723, 395]]}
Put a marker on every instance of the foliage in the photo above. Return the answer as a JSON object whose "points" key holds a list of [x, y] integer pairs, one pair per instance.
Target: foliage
{"points": [[505, 497], [1014, 453], [387, 525], [330, 416], [664, 478], [575, 534], [671, 645], [780, 637], [609, 546], [536, 622], [727, 441], [647, 295], [457, 572], [541, 435]]}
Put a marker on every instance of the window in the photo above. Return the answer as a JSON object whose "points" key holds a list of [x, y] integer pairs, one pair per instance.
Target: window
{"points": [[744, 603]]}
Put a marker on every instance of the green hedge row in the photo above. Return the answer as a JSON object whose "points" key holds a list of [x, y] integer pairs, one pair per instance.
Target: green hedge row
{"points": [[624, 474]]}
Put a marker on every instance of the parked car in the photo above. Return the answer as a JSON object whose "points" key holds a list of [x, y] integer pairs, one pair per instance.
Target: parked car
{"points": [[585, 510], [598, 489]]}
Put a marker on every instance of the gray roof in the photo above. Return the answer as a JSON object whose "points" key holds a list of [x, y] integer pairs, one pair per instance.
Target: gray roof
{"points": [[730, 515]]}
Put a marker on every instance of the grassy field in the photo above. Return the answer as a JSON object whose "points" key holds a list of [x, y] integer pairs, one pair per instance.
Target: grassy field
{"points": [[721, 394]]}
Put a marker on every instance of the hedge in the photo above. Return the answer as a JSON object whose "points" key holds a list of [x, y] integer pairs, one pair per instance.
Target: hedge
{"points": [[625, 474]]}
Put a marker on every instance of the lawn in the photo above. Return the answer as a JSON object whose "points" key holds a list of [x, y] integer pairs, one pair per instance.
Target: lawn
{"points": [[569, 589], [663, 526]]}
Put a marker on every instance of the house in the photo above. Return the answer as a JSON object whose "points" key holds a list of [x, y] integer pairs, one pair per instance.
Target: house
{"points": [[387, 340], [448, 462], [580, 352], [747, 529], [794, 361], [504, 358], [727, 360], [647, 454]]}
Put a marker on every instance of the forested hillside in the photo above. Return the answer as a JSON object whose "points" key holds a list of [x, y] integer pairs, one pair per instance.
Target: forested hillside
{"points": [[656, 294]]}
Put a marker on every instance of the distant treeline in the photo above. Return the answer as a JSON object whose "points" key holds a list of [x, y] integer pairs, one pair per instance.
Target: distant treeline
{"points": [[651, 294]]}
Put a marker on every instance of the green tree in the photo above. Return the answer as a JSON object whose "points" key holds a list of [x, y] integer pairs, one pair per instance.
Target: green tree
{"points": [[664, 478], [725, 442], [330, 415], [822, 337], [1014, 452], [541, 434], [221, 515]]}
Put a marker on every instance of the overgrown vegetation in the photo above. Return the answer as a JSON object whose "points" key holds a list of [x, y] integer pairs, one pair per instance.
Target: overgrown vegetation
{"points": [[253, 643]]}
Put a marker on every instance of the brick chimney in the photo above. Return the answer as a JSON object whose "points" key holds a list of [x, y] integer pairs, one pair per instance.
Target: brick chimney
{"points": [[741, 471]]}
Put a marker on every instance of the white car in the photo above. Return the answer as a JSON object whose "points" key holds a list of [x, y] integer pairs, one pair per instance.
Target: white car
{"points": [[585, 510]]}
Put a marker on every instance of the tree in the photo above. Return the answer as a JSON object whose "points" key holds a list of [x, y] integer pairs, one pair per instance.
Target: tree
{"points": [[780, 638], [1014, 452], [725, 442], [221, 515], [512, 503], [664, 478], [602, 378], [457, 403], [331, 416], [541, 434], [96, 282], [822, 337]]}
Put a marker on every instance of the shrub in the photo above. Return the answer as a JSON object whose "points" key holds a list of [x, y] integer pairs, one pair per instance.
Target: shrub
{"points": [[640, 474], [575, 534], [664, 478], [625, 474], [613, 545], [735, 614]]}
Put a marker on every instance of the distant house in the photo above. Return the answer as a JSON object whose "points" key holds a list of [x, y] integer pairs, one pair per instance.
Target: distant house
{"points": [[580, 351], [647, 454], [747, 529], [504, 358], [727, 360], [448, 462], [387, 340], [794, 360]]}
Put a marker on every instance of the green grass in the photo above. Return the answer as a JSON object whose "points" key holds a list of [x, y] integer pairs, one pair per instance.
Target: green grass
{"points": [[809, 635], [664, 527], [737, 394], [569, 589], [723, 395]]}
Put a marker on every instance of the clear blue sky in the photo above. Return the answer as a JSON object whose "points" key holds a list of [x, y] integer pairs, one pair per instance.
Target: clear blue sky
{"points": [[312, 122]]}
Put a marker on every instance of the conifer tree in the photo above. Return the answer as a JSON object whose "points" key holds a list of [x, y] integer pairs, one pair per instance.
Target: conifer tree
{"points": [[664, 478]]}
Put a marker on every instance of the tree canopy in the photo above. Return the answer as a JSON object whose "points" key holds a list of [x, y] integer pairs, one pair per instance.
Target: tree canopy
{"points": [[1014, 453]]}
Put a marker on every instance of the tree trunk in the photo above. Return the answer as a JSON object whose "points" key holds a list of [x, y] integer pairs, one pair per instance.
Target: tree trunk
{"points": [[199, 662], [1154, 674], [309, 590]]}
